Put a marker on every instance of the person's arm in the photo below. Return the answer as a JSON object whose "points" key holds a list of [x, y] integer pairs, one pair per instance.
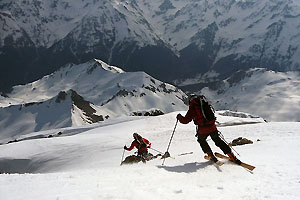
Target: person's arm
{"points": [[148, 144], [188, 116], [133, 144]]}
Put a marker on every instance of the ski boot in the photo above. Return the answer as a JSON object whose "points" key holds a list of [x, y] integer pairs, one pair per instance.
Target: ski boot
{"points": [[233, 158], [166, 155], [212, 157]]}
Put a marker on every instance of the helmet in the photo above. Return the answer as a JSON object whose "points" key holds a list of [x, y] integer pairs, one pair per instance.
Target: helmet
{"points": [[191, 97]]}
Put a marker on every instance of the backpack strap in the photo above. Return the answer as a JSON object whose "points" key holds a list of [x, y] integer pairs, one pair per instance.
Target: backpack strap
{"points": [[201, 106]]}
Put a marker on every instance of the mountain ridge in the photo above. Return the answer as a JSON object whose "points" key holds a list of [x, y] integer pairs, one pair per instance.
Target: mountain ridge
{"points": [[266, 93], [87, 93], [170, 40], [64, 110], [96, 81]]}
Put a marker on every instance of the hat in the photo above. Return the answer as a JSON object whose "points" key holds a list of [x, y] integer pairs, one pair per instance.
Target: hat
{"points": [[136, 136]]}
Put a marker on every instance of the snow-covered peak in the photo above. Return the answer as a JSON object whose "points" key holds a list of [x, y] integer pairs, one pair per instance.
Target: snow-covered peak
{"points": [[109, 67], [48, 22], [200, 36], [87, 93], [269, 94], [98, 82], [66, 109], [178, 22]]}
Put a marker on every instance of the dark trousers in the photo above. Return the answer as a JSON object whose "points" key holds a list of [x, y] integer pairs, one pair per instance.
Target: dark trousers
{"points": [[217, 140], [141, 156]]}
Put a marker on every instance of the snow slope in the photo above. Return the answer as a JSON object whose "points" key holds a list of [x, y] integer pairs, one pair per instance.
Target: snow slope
{"points": [[85, 165], [103, 85], [64, 110], [271, 95], [100, 90]]}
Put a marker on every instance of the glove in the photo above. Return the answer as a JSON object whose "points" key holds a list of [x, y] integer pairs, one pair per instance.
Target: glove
{"points": [[125, 147], [179, 116]]}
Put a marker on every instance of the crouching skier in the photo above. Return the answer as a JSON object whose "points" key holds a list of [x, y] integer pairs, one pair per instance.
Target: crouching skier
{"points": [[205, 128], [142, 145]]}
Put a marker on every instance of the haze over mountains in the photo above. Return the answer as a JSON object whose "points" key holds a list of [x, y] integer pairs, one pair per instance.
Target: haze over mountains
{"points": [[170, 40]]}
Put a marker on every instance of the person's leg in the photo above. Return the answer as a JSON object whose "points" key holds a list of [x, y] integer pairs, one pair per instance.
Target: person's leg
{"points": [[205, 147], [142, 155], [219, 142], [148, 156], [203, 144], [224, 147]]}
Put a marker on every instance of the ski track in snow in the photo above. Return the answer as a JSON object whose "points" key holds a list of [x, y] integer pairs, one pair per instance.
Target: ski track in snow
{"points": [[87, 165]]}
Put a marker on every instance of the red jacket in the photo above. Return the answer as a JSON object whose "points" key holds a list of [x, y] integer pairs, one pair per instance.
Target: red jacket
{"points": [[194, 113], [140, 146]]}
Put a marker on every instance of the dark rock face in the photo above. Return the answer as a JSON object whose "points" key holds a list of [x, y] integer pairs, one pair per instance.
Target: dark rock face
{"points": [[85, 107], [61, 96], [155, 112]]}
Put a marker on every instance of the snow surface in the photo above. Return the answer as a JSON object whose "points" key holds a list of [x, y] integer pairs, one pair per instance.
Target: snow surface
{"points": [[271, 95], [84, 163], [111, 92], [107, 81], [147, 23]]}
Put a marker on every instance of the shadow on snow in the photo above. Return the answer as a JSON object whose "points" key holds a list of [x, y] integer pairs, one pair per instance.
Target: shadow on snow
{"points": [[188, 167]]}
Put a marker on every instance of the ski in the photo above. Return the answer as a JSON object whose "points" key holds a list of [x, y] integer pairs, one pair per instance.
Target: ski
{"points": [[220, 163], [250, 167], [167, 155], [182, 154]]}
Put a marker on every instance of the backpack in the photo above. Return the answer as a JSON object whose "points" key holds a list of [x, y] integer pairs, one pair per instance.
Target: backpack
{"points": [[207, 109]]}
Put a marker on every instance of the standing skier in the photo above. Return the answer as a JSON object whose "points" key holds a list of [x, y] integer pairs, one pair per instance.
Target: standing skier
{"points": [[142, 145], [205, 128]]}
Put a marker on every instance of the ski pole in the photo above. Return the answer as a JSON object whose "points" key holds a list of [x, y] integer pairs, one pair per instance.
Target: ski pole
{"points": [[155, 150], [162, 154], [122, 156], [222, 136], [170, 141]]}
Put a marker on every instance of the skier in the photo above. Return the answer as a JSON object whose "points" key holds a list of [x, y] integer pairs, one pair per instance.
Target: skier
{"points": [[204, 129], [142, 145]]}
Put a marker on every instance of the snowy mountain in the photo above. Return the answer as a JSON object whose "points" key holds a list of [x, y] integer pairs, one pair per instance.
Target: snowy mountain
{"points": [[86, 165], [103, 85], [87, 93], [168, 39], [65, 110], [268, 94]]}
